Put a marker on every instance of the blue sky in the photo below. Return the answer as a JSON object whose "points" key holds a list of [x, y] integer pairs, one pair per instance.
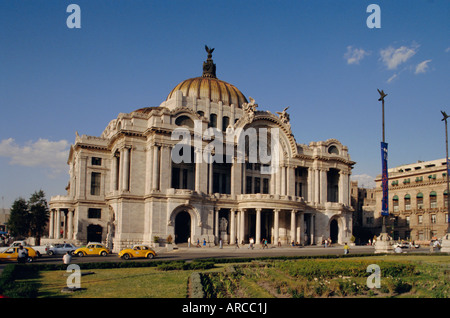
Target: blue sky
{"points": [[317, 57]]}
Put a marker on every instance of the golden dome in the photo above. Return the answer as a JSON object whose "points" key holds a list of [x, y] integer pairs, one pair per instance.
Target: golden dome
{"points": [[210, 87]]}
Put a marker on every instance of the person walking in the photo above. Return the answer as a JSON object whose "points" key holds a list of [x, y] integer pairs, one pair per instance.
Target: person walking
{"points": [[346, 249], [67, 258], [22, 254]]}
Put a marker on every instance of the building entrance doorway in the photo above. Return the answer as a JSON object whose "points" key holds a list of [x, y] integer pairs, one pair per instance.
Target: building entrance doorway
{"points": [[334, 231], [182, 227], [94, 233]]}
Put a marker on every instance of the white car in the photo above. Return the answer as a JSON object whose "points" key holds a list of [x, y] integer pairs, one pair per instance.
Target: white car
{"points": [[59, 249]]}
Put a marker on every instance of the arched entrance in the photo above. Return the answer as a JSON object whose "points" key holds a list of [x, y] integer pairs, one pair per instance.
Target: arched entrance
{"points": [[94, 233], [182, 227], [334, 231]]}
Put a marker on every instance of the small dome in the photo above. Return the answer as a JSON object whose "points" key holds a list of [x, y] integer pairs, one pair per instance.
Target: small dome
{"points": [[210, 87]]}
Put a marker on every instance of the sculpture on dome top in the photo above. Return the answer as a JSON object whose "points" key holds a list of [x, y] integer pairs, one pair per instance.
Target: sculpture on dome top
{"points": [[250, 109], [209, 68], [284, 116]]}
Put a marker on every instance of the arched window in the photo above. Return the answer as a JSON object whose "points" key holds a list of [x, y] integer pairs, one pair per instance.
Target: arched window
{"points": [[395, 203], [213, 120], [333, 150], [419, 198], [407, 202], [433, 200], [184, 121], [225, 122]]}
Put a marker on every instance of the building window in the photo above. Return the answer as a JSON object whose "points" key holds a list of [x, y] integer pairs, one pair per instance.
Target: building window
{"points": [[445, 198], [94, 213], [95, 183], [407, 220], [96, 161], [248, 185], [419, 201], [420, 219], [395, 203], [213, 120], [265, 185], [433, 218], [407, 202], [433, 200], [257, 185], [225, 123]]}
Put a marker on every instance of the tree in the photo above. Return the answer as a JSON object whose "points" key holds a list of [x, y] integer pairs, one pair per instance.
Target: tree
{"points": [[29, 218], [38, 215], [18, 223]]}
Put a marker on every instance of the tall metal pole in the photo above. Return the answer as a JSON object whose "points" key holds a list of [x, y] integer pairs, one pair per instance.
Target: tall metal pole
{"points": [[446, 160], [382, 96]]}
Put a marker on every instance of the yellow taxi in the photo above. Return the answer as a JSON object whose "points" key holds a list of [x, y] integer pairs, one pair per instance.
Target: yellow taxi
{"points": [[137, 251], [11, 254], [92, 249]]}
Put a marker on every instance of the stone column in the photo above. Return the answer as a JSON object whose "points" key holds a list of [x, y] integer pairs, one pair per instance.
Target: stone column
{"points": [[50, 224], [258, 226], [316, 186], [155, 174], [301, 228], [283, 180], [113, 173], [211, 172], [148, 170], [275, 225], [165, 168], [323, 186], [242, 225], [293, 225], [312, 230], [232, 227], [310, 185], [70, 224], [291, 181], [58, 224], [216, 224], [126, 169]]}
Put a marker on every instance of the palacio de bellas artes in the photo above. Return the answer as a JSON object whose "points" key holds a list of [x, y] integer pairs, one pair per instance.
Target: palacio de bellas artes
{"points": [[206, 164]]}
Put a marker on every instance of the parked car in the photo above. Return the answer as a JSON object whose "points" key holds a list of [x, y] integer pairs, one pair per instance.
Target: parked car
{"points": [[59, 249], [39, 250], [11, 253], [137, 251], [92, 249]]}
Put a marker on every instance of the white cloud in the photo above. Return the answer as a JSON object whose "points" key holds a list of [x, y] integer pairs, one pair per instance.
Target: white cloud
{"points": [[354, 55], [364, 180], [393, 77], [447, 50], [422, 67], [394, 57], [42, 153]]}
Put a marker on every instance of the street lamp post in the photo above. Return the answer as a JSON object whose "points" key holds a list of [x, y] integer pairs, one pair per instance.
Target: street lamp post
{"points": [[446, 238], [382, 96]]}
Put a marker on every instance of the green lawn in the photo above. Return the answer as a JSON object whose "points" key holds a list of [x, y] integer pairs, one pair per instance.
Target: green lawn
{"points": [[401, 276]]}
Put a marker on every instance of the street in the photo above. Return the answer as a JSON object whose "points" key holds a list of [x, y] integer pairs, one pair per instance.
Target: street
{"points": [[192, 253]]}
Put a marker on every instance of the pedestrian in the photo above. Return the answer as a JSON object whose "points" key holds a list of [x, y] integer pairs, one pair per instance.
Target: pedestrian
{"points": [[326, 243], [204, 243], [252, 241], [237, 243], [346, 249], [265, 244], [198, 242], [67, 258], [189, 242], [22, 254], [279, 243]]}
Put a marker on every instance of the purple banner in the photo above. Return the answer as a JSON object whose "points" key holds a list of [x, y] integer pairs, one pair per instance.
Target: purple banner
{"points": [[384, 180]]}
